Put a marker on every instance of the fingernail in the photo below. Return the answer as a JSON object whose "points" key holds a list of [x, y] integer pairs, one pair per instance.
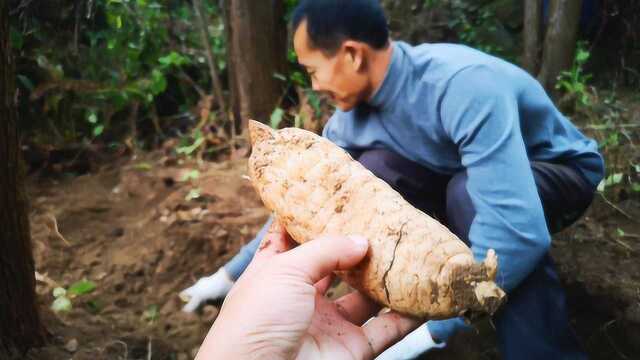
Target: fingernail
{"points": [[359, 241]]}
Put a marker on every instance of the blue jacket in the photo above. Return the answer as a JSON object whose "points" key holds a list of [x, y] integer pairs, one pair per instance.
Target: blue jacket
{"points": [[451, 108]]}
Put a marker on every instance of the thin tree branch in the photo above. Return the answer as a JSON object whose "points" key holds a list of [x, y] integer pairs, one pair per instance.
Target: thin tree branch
{"points": [[617, 208], [215, 80]]}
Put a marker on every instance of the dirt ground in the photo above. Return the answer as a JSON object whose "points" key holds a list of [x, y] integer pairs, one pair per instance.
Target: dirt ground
{"points": [[134, 231]]}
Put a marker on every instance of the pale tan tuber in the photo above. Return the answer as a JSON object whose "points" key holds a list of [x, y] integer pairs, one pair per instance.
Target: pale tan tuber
{"points": [[415, 265]]}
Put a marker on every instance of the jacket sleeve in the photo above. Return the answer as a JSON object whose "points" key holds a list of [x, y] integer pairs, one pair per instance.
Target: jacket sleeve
{"points": [[480, 114]]}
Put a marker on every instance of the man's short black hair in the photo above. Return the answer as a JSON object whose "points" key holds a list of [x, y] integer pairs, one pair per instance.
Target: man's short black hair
{"points": [[331, 22]]}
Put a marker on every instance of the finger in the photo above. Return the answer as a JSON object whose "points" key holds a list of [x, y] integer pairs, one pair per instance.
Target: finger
{"points": [[323, 285], [274, 242], [319, 257], [356, 308], [387, 329]]}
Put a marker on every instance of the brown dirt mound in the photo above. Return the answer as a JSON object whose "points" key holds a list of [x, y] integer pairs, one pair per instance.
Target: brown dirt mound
{"points": [[133, 232]]}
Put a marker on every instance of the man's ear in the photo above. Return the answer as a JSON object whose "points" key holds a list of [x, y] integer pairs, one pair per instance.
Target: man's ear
{"points": [[354, 53]]}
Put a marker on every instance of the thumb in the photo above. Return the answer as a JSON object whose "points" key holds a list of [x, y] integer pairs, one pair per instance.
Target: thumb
{"points": [[320, 257]]}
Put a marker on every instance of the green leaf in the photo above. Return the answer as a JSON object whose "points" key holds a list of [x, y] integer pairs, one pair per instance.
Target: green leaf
{"points": [[620, 232], [144, 166], [299, 79], [92, 118], [314, 101], [61, 304], [298, 121], [292, 57], [582, 56], [276, 117], [614, 179], [173, 58], [193, 194], [188, 150], [635, 187], [57, 292], [25, 82], [152, 313], [82, 287], [191, 175], [279, 76], [111, 44], [98, 130], [222, 63], [158, 82]]}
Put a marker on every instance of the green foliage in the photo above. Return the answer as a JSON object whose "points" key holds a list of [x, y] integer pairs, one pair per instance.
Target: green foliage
{"points": [[123, 54], [143, 166], [608, 120], [193, 194], [62, 297], [133, 43], [151, 314], [188, 145], [574, 81], [276, 117], [61, 302], [190, 175], [289, 5], [475, 24], [81, 287]]}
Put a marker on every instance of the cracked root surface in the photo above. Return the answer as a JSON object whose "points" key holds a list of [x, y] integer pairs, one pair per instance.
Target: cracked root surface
{"points": [[315, 188]]}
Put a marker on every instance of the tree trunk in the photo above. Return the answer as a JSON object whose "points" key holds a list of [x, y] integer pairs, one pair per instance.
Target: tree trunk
{"points": [[560, 41], [20, 326], [532, 36], [257, 50]]}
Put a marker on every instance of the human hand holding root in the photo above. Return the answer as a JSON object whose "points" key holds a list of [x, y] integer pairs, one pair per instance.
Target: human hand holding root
{"points": [[277, 309]]}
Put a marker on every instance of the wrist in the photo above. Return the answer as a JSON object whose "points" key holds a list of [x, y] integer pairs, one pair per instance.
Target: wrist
{"points": [[223, 276], [436, 343]]}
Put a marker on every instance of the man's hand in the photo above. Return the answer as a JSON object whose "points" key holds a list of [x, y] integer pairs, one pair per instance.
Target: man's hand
{"points": [[277, 309], [211, 287]]}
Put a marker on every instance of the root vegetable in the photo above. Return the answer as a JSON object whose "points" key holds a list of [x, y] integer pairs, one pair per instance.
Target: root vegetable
{"points": [[415, 265]]}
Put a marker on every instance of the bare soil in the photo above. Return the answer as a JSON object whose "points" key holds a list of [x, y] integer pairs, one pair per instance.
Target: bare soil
{"points": [[133, 231]]}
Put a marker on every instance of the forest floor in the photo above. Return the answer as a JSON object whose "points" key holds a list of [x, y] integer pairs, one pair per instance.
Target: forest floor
{"points": [[133, 230]]}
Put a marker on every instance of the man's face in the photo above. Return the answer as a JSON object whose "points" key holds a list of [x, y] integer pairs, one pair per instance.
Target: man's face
{"points": [[340, 76]]}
